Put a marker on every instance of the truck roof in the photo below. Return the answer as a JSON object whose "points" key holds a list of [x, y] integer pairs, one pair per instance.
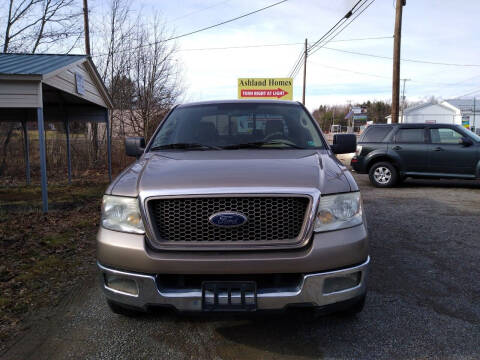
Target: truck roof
{"points": [[235, 101]]}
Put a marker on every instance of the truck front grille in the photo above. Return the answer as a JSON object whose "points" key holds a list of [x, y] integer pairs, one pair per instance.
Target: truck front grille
{"points": [[270, 219]]}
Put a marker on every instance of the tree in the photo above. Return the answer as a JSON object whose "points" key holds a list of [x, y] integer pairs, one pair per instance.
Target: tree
{"points": [[139, 68], [34, 25]]}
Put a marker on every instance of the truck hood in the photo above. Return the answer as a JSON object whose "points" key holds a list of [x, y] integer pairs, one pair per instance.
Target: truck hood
{"points": [[188, 172]]}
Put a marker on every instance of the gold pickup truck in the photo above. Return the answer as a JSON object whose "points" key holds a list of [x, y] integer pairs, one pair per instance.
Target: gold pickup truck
{"points": [[235, 206]]}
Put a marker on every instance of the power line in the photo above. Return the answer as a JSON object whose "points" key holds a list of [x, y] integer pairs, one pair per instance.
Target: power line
{"points": [[346, 16], [360, 12], [239, 47], [279, 44], [205, 28], [365, 38], [472, 92], [197, 11], [333, 32], [408, 60], [298, 63], [352, 71]]}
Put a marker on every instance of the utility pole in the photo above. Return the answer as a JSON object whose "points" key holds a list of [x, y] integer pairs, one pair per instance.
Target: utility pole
{"points": [[396, 60], [85, 26], [305, 71], [403, 97], [474, 117]]}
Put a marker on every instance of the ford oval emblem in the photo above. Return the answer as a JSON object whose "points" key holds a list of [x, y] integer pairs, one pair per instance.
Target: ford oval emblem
{"points": [[227, 219]]}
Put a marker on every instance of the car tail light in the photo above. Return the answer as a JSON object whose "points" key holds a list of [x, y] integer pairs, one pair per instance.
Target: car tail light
{"points": [[359, 150]]}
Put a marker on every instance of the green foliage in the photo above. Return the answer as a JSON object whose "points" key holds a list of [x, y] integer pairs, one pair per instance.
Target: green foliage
{"points": [[326, 115]]}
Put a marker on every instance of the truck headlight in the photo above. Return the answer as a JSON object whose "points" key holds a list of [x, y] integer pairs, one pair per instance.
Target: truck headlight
{"points": [[339, 212], [122, 214]]}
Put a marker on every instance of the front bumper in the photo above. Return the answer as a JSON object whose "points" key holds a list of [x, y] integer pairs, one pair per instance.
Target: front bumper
{"points": [[325, 251], [311, 291]]}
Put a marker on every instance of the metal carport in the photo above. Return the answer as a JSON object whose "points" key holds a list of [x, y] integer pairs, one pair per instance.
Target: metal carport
{"points": [[56, 87]]}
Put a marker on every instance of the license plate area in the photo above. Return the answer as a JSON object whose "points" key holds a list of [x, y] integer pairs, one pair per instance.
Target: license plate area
{"points": [[229, 296]]}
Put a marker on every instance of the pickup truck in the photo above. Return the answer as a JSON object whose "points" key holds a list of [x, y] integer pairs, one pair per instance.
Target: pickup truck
{"points": [[234, 206]]}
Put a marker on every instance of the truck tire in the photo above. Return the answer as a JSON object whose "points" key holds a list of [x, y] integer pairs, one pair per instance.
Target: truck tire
{"points": [[122, 310], [383, 174]]}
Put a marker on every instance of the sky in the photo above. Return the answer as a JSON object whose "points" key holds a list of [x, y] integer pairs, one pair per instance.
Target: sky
{"points": [[433, 30]]}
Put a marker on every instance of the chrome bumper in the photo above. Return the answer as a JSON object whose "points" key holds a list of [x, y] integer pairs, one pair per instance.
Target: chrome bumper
{"points": [[310, 291]]}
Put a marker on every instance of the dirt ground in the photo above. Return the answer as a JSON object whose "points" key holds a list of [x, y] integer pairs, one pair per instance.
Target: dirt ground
{"points": [[422, 301], [44, 256]]}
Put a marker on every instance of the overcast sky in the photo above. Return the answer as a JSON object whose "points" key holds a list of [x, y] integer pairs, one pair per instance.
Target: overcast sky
{"points": [[433, 30]]}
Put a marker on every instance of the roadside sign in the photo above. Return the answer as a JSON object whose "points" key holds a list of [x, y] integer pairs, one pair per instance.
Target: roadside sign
{"points": [[265, 88], [466, 121], [359, 110], [360, 117]]}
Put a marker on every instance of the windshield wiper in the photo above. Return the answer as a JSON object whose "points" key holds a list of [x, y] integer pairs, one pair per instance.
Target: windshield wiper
{"points": [[185, 146], [259, 144]]}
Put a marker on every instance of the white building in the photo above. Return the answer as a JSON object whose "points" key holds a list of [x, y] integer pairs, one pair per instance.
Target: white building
{"points": [[469, 110], [455, 111]]}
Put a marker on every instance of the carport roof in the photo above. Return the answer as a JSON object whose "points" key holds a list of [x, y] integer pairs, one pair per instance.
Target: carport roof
{"points": [[35, 64]]}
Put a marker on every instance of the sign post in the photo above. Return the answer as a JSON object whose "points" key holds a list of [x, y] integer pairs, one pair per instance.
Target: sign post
{"points": [[265, 88]]}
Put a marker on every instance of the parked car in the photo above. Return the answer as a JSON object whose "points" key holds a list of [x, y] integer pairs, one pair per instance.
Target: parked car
{"points": [[231, 206], [390, 153]]}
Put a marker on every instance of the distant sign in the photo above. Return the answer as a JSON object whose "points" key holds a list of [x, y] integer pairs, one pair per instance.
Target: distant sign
{"points": [[359, 110], [79, 84], [360, 117], [265, 88], [466, 121]]}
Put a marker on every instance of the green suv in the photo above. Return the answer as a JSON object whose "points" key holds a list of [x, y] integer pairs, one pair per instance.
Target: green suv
{"points": [[389, 153]]}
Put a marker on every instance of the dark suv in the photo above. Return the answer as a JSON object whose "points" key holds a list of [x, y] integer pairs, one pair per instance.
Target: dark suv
{"points": [[391, 152]]}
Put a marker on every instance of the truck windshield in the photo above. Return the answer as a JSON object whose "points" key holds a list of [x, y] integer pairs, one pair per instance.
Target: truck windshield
{"points": [[238, 125]]}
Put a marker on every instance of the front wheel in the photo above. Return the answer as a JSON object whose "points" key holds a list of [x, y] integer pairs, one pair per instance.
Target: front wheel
{"points": [[383, 174]]}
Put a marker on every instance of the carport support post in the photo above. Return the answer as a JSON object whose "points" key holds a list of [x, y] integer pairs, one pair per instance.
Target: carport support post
{"points": [[109, 145], [26, 152], [69, 161], [43, 160]]}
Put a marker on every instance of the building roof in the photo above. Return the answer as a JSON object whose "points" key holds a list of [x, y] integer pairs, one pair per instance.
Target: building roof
{"points": [[464, 104], [35, 64]]}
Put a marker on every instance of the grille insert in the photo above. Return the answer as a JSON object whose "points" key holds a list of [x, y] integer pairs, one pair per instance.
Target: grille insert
{"points": [[269, 219]]}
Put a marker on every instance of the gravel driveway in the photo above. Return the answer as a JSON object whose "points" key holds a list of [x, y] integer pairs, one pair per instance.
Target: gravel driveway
{"points": [[423, 302]]}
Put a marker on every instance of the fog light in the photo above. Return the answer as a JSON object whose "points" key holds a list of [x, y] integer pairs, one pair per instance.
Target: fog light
{"points": [[122, 284], [339, 283]]}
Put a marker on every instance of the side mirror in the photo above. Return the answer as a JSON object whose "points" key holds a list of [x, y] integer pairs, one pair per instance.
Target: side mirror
{"points": [[344, 143], [134, 146], [467, 141]]}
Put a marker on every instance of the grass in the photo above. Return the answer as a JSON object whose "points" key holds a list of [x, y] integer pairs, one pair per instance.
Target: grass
{"points": [[60, 196], [44, 255]]}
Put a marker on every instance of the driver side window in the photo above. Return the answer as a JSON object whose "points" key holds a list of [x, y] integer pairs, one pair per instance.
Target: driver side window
{"points": [[445, 136]]}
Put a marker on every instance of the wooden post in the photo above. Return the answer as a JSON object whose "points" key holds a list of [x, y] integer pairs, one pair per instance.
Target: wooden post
{"points": [[109, 144], [69, 159], [43, 159], [305, 71], [396, 61], [86, 28], [26, 151]]}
